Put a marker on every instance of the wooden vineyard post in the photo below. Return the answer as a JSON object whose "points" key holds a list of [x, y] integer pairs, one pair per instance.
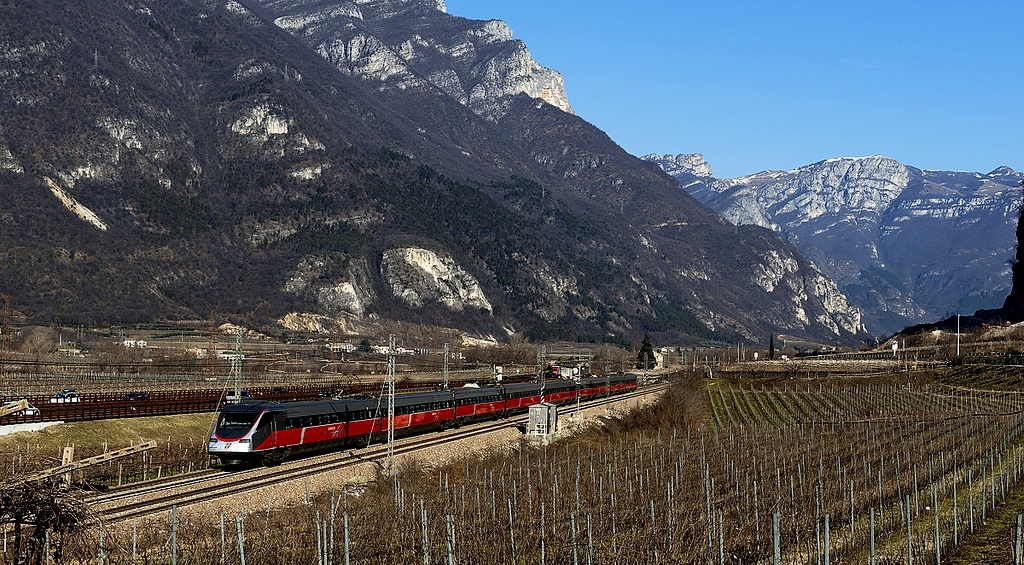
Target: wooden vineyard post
{"points": [[776, 550], [174, 535], [511, 530], [67, 459], [240, 528], [871, 542], [542, 556], [852, 533], [345, 521], [910, 537], [426, 541], [827, 553], [1017, 542], [103, 552], [450, 523], [956, 517], [935, 508], [223, 554], [575, 553], [721, 538]]}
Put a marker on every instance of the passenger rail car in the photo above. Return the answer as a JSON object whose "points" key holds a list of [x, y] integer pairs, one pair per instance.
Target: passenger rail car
{"points": [[269, 432]]}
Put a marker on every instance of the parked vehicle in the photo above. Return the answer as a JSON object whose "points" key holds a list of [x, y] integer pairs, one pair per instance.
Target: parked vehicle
{"points": [[233, 398], [29, 411], [134, 396], [65, 396]]}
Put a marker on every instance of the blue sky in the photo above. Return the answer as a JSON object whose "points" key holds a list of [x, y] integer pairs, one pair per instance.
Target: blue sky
{"points": [[781, 84]]}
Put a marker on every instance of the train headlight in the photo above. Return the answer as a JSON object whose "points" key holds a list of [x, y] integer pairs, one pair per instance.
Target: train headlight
{"points": [[245, 440]]}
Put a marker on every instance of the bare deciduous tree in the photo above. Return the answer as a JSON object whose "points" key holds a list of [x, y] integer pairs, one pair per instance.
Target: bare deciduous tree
{"points": [[35, 508]]}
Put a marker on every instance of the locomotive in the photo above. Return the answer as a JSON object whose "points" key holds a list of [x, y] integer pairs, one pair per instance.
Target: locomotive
{"points": [[267, 433]]}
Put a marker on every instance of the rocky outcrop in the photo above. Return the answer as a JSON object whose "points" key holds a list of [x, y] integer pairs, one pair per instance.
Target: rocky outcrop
{"points": [[351, 293], [419, 277], [410, 44], [689, 163]]}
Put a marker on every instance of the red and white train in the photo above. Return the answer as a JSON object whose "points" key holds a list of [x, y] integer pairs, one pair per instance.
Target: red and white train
{"points": [[267, 433]]}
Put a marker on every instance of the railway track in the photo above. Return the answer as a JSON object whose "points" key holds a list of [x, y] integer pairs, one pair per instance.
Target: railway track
{"points": [[153, 498]]}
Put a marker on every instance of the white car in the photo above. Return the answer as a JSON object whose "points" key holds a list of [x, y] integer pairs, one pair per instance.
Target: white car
{"points": [[64, 397], [29, 411], [232, 398]]}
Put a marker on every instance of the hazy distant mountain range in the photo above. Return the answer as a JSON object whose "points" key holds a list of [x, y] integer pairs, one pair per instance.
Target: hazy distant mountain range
{"points": [[338, 166], [907, 246]]}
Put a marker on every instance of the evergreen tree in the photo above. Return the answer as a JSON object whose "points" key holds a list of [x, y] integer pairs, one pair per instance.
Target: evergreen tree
{"points": [[771, 347], [645, 357], [1013, 307]]}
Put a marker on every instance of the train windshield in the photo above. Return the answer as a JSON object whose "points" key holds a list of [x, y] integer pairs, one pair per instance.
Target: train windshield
{"points": [[235, 424]]}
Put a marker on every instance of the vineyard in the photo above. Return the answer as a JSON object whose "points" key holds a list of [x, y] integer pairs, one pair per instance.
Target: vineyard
{"points": [[719, 472], [901, 469]]}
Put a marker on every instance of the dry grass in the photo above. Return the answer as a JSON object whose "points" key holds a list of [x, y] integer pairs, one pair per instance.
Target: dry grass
{"points": [[28, 451]]}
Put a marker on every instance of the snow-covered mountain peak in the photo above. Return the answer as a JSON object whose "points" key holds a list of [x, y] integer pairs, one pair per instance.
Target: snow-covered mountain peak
{"points": [[906, 245]]}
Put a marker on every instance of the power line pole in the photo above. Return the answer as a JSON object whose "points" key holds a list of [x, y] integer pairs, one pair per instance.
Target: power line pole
{"points": [[236, 365], [391, 404], [5, 334], [542, 361], [445, 369], [211, 347]]}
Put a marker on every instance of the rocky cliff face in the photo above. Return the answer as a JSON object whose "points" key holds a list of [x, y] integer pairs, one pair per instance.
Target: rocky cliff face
{"points": [[906, 245], [417, 276], [683, 163], [415, 44]]}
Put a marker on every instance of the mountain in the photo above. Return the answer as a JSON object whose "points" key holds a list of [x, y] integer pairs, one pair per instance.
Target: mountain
{"points": [[905, 245], [345, 167]]}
